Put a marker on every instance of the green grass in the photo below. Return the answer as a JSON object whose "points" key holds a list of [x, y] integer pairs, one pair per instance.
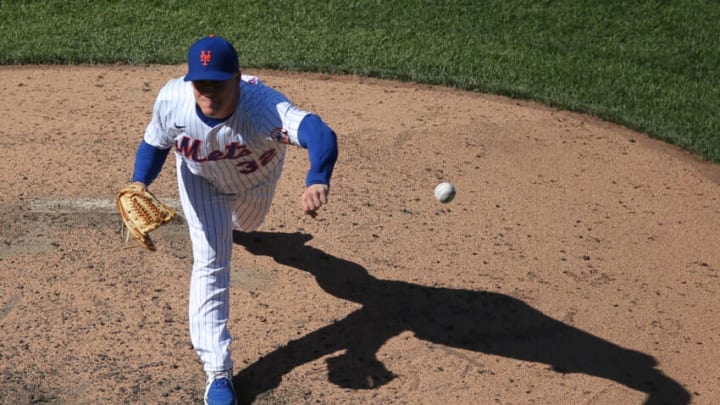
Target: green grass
{"points": [[653, 66]]}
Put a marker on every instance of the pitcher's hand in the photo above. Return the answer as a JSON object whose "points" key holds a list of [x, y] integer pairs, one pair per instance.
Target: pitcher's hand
{"points": [[314, 197]]}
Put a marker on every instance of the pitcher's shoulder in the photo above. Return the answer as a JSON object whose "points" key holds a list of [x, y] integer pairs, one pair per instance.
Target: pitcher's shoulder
{"points": [[250, 79]]}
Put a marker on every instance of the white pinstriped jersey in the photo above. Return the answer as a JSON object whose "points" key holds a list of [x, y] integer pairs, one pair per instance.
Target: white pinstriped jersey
{"points": [[246, 150]]}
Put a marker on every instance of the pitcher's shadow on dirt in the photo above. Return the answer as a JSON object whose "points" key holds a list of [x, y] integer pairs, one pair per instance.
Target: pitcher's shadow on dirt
{"points": [[484, 322]]}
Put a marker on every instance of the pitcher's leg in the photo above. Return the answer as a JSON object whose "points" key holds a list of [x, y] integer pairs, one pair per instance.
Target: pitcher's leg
{"points": [[209, 217], [251, 207]]}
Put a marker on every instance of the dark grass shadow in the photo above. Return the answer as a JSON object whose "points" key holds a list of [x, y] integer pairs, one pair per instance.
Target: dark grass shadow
{"points": [[484, 322]]}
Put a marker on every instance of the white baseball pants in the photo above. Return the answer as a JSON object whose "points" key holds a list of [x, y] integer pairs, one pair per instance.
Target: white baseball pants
{"points": [[211, 217]]}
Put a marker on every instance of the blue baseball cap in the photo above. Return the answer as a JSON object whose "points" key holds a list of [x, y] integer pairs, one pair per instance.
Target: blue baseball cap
{"points": [[212, 58]]}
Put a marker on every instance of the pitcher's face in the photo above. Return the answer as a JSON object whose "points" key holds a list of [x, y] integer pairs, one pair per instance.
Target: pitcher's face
{"points": [[217, 99]]}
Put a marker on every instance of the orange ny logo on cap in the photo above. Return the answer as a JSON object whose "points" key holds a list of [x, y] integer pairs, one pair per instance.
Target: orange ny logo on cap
{"points": [[205, 57]]}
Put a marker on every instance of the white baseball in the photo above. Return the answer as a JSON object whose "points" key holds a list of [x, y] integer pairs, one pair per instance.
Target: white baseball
{"points": [[444, 192]]}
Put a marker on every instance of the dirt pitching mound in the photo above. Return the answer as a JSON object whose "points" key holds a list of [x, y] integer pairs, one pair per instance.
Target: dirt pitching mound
{"points": [[578, 263]]}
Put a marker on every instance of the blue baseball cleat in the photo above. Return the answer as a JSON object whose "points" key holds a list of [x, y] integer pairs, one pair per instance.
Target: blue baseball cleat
{"points": [[219, 389]]}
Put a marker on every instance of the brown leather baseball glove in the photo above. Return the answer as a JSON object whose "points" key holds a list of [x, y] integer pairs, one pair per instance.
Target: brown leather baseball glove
{"points": [[142, 213]]}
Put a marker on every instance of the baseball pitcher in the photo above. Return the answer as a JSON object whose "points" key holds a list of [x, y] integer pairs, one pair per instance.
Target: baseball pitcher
{"points": [[229, 133]]}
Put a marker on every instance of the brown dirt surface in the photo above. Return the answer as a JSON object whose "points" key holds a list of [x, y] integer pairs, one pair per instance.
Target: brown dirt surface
{"points": [[579, 262]]}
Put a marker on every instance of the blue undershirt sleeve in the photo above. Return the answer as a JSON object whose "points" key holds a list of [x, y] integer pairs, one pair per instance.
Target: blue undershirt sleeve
{"points": [[149, 161], [321, 143]]}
